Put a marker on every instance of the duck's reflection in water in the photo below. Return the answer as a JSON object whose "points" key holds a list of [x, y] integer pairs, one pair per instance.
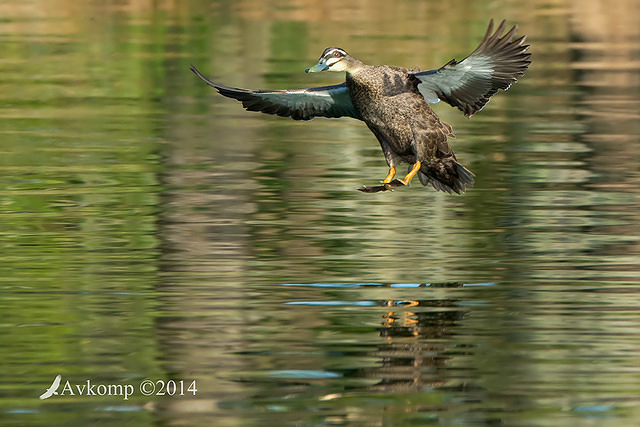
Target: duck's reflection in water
{"points": [[417, 347]]}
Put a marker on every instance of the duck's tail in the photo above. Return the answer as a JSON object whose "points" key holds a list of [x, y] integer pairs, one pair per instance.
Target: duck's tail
{"points": [[446, 175]]}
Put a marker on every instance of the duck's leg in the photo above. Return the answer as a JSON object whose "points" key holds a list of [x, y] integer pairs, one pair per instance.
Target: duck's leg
{"points": [[390, 175], [407, 179], [386, 186]]}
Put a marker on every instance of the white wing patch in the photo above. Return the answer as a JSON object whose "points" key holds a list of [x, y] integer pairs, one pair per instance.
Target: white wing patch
{"points": [[469, 84]]}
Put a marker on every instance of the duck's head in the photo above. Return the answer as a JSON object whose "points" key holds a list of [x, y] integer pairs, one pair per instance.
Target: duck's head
{"points": [[335, 59]]}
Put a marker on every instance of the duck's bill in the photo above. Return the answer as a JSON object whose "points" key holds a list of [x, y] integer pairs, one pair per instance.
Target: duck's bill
{"points": [[320, 66]]}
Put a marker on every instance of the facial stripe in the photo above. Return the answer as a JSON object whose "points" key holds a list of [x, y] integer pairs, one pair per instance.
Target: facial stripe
{"points": [[330, 51], [332, 61]]}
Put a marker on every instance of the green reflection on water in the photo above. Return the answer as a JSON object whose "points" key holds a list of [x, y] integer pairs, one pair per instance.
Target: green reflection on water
{"points": [[146, 223]]}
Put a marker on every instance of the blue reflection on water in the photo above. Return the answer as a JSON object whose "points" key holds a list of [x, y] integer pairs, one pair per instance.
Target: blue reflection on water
{"points": [[391, 285], [303, 373], [332, 285], [333, 303]]}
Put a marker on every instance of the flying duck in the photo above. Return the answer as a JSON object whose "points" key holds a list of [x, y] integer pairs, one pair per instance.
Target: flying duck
{"points": [[394, 103]]}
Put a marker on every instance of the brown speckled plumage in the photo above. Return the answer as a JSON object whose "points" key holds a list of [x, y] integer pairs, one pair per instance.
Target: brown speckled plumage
{"points": [[394, 103], [408, 130]]}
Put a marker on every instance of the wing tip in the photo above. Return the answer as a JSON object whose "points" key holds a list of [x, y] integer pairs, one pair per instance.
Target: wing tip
{"points": [[202, 77]]}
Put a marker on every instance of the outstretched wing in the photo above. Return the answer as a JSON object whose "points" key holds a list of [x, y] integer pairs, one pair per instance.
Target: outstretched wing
{"points": [[495, 64], [299, 104]]}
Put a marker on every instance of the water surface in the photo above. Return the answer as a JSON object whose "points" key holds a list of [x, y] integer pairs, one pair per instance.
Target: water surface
{"points": [[151, 229]]}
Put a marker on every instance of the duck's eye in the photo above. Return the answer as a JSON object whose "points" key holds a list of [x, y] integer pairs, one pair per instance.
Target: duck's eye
{"points": [[336, 54]]}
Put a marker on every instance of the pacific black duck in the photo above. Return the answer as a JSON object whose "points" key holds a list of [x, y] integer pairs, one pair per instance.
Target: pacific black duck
{"points": [[394, 104]]}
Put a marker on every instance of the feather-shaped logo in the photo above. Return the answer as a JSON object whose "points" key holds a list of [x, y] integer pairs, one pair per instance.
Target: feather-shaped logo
{"points": [[53, 389]]}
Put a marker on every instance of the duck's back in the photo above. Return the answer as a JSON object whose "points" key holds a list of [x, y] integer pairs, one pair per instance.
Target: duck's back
{"points": [[389, 102], [371, 83]]}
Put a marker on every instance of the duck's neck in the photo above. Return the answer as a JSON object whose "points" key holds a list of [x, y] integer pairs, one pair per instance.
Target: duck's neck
{"points": [[352, 65]]}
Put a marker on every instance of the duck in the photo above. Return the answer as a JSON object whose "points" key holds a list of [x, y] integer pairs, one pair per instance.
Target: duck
{"points": [[394, 102]]}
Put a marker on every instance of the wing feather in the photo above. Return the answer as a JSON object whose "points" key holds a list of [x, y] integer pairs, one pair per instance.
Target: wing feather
{"points": [[495, 64], [299, 104]]}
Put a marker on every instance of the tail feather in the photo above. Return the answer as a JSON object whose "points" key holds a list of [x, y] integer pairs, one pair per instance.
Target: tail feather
{"points": [[446, 175]]}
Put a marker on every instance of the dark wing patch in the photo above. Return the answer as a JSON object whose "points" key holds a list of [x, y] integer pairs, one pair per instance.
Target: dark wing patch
{"points": [[299, 104], [495, 64]]}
